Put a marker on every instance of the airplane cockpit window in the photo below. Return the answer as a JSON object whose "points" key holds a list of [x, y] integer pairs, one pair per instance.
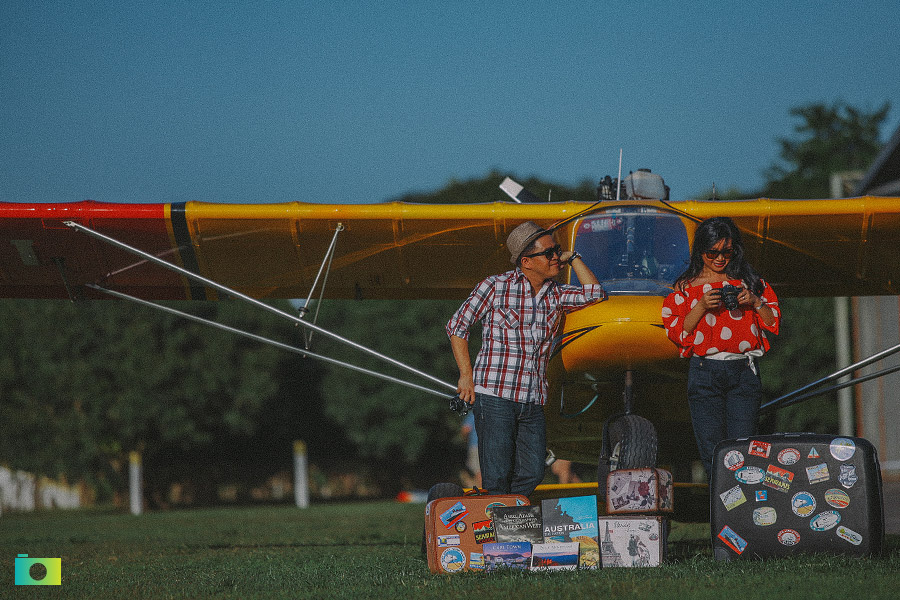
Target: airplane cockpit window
{"points": [[634, 250]]}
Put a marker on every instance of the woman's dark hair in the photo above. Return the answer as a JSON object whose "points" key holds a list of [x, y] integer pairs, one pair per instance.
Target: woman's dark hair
{"points": [[708, 233]]}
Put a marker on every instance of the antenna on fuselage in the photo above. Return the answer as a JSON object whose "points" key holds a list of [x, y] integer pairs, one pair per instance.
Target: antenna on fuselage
{"points": [[619, 179]]}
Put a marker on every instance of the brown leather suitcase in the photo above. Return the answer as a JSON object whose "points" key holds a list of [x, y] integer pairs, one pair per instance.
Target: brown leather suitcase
{"points": [[456, 529]]}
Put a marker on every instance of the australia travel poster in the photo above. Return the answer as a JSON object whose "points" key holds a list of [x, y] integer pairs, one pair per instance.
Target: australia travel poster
{"points": [[573, 520]]}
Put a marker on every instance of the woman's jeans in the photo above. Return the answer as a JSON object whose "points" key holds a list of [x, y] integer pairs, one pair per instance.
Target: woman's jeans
{"points": [[512, 444], [724, 398]]}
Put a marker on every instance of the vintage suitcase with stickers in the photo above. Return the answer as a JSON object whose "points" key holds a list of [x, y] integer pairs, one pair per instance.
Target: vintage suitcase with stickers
{"points": [[632, 491], [457, 528], [776, 495]]}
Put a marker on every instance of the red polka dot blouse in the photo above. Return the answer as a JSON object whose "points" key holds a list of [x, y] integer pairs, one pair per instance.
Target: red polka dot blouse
{"points": [[739, 331]]}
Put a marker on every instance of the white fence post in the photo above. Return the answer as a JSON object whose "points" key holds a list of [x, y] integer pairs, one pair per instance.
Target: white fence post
{"points": [[135, 493], [301, 480]]}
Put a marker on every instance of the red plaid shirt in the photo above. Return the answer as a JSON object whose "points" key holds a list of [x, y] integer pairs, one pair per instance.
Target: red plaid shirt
{"points": [[518, 331]]}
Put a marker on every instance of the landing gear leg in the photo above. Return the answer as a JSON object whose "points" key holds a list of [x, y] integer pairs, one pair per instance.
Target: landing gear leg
{"points": [[629, 441]]}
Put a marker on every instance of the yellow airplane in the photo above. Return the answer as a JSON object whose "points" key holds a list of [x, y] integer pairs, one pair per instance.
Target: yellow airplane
{"points": [[612, 358]]}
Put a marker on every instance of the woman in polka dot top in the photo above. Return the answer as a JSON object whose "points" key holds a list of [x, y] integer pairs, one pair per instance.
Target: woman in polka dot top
{"points": [[722, 335]]}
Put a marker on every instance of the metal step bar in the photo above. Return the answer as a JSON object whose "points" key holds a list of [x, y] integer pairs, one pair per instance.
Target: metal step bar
{"points": [[807, 391]]}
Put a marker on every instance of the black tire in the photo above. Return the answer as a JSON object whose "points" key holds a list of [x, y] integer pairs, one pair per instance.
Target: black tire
{"points": [[440, 490], [444, 490], [632, 444]]}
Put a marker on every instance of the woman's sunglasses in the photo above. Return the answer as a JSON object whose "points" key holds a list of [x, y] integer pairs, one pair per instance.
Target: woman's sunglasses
{"points": [[548, 253], [712, 254]]}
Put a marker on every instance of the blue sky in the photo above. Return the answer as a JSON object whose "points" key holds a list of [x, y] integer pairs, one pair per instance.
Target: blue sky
{"points": [[365, 101]]}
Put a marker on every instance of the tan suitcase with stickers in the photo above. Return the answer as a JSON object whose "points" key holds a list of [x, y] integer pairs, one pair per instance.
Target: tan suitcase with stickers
{"points": [[456, 529]]}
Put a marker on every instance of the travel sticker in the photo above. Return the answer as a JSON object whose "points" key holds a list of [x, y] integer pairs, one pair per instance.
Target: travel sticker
{"points": [[460, 526], [762, 495], [849, 535], [764, 515], [789, 456], [778, 479], [732, 539], [803, 504], [789, 537], [758, 448], [733, 497], [483, 532], [817, 473], [476, 561], [749, 475], [837, 498], [447, 540], [734, 460], [842, 448], [453, 514], [453, 560], [825, 520], [847, 476], [812, 453], [490, 507]]}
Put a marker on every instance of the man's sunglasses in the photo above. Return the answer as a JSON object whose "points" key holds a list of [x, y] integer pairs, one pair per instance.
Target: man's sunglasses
{"points": [[712, 254], [548, 253]]}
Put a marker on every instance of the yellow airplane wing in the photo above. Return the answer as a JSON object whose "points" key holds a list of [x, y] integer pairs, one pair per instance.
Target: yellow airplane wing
{"points": [[844, 247], [397, 250]]}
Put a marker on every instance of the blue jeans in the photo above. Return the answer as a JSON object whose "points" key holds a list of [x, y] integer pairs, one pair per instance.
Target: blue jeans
{"points": [[512, 444], [724, 398]]}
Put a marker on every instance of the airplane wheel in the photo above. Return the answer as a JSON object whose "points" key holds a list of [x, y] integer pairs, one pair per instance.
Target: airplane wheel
{"points": [[633, 443], [440, 490]]}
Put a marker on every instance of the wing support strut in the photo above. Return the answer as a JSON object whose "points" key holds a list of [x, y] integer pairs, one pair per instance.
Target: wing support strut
{"points": [[266, 340], [254, 302], [806, 392], [61, 267], [326, 266]]}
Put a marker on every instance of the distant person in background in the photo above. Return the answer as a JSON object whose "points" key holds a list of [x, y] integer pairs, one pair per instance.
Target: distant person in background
{"points": [[520, 312], [564, 472], [718, 316], [472, 474]]}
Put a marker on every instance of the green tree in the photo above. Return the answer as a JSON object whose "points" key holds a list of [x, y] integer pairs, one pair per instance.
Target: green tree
{"points": [[833, 138], [802, 353], [83, 384], [487, 189], [409, 435]]}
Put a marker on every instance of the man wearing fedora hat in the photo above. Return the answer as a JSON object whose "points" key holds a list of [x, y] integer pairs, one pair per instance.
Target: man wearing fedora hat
{"points": [[520, 312]]}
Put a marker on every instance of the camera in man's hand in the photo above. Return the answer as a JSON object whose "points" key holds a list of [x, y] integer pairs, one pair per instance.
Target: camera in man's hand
{"points": [[730, 296], [459, 405]]}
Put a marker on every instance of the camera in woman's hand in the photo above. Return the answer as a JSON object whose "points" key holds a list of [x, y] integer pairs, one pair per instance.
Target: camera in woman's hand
{"points": [[730, 296]]}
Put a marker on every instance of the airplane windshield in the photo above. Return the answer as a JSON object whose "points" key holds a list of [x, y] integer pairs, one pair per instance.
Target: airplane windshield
{"points": [[634, 250]]}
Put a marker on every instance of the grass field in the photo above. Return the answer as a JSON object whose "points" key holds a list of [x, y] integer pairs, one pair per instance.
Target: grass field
{"points": [[372, 550]]}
